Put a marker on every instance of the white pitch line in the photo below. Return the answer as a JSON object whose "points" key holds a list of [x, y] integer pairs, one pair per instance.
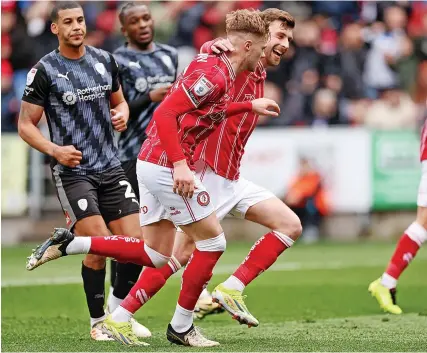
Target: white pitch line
{"points": [[219, 270]]}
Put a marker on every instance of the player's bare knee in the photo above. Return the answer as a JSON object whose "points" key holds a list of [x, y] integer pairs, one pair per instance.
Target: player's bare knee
{"points": [[422, 216], [183, 256], [183, 253], [204, 229], [183, 247], [137, 233], [96, 229], [291, 226], [95, 262]]}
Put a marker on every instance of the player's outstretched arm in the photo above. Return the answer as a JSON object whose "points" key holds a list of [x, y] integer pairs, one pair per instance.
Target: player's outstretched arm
{"points": [[261, 106], [29, 117]]}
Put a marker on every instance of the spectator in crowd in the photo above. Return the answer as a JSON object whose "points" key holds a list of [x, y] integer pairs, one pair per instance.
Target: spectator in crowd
{"points": [[386, 47], [307, 198], [406, 65], [274, 92], [307, 55], [421, 36], [352, 57], [325, 108], [354, 49], [298, 104], [338, 11], [420, 94], [394, 110]]}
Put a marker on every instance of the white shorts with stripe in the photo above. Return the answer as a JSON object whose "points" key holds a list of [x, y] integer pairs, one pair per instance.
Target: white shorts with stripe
{"points": [[158, 201], [422, 189], [230, 197]]}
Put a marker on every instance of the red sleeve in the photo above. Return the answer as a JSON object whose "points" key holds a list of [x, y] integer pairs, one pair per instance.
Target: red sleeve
{"points": [[236, 108], [203, 87], [197, 89], [206, 47], [166, 117]]}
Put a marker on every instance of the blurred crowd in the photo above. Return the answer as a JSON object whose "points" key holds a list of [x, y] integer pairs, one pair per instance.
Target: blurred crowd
{"points": [[351, 62]]}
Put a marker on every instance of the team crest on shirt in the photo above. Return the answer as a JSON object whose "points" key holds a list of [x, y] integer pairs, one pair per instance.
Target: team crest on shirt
{"points": [[82, 204], [100, 68], [203, 198], [30, 76], [141, 84], [69, 98]]}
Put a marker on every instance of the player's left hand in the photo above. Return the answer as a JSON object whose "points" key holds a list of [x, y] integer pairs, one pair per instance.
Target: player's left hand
{"points": [[118, 120], [265, 106]]}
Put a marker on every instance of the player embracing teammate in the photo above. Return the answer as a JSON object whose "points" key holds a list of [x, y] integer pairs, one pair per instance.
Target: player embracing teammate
{"points": [[219, 158]]}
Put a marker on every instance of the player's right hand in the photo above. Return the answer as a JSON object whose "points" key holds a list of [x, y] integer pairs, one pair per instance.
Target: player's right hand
{"points": [[157, 95], [183, 179], [67, 156], [265, 106], [222, 46]]}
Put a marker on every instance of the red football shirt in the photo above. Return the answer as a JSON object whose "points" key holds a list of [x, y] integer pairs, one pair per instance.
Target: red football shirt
{"points": [[207, 85], [223, 150]]}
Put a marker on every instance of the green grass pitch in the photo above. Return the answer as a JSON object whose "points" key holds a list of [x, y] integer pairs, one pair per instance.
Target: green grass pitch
{"points": [[314, 299]]}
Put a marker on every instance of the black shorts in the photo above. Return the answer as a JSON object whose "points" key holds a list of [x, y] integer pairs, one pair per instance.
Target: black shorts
{"points": [[108, 194], [130, 171]]}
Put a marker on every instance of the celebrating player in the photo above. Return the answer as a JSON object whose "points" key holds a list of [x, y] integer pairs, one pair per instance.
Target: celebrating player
{"points": [[384, 288], [218, 168], [77, 87], [169, 190], [147, 70]]}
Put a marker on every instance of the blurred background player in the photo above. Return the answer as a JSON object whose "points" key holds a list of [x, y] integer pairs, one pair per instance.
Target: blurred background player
{"points": [[218, 168], [384, 288], [146, 69], [78, 89]]}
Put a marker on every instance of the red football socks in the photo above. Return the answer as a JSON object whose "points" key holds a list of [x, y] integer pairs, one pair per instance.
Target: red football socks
{"points": [[196, 276], [148, 284], [261, 256], [405, 251], [123, 249]]}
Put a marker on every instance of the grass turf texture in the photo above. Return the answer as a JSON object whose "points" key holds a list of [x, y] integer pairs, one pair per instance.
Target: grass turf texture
{"points": [[314, 299]]}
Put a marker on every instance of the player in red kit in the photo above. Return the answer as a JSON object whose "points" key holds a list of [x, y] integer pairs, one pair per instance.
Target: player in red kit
{"points": [[218, 166], [170, 193], [384, 288]]}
